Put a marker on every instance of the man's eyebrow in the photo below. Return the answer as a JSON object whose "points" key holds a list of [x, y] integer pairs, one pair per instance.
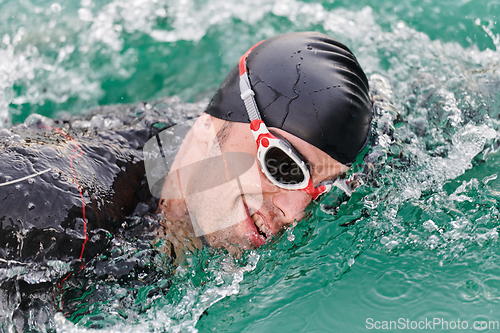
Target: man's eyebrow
{"points": [[331, 178]]}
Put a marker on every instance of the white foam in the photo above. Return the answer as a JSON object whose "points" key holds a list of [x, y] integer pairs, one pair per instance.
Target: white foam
{"points": [[44, 80], [183, 316]]}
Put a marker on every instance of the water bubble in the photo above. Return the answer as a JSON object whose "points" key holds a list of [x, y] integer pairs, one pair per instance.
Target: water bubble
{"points": [[16, 138], [31, 181], [6, 39], [55, 7], [485, 179], [289, 231], [161, 12], [31, 206], [5, 133], [19, 35], [97, 121], [430, 225], [38, 121], [85, 15]]}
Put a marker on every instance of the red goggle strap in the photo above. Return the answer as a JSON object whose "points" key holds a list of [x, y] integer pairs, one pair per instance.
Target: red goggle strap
{"points": [[245, 89], [259, 129], [260, 133], [243, 59], [315, 192]]}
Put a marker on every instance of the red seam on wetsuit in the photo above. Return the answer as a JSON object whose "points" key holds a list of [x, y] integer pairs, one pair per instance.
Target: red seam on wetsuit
{"points": [[79, 152]]}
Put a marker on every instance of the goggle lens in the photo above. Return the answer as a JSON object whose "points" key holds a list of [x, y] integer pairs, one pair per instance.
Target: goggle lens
{"points": [[282, 167]]}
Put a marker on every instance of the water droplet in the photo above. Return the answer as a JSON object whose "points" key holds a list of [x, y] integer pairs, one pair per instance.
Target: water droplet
{"points": [[85, 14], [38, 121], [5, 133], [31, 206], [55, 7], [289, 233], [6, 39]]}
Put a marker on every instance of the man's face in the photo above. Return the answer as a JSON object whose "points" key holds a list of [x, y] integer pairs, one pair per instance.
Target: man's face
{"points": [[258, 209]]}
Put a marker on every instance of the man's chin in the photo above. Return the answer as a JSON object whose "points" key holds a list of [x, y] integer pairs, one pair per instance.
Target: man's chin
{"points": [[234, 239]]}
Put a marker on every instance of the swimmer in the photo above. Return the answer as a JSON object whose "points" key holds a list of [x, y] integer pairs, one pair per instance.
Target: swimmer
{"points": [[287, 123], [298, 105], [282, 130]]}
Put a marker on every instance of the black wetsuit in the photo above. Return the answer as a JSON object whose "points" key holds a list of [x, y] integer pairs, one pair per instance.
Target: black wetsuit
{"points": [[87, 186], [92, 167], [96, 170]]}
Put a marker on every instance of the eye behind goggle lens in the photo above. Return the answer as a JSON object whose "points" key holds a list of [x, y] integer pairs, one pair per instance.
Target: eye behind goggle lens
{"points": [[282, 167]]}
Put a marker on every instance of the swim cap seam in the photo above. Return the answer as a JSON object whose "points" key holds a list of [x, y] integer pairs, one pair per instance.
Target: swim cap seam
{"points": [[294, 88], [277, 94], [319, 123]]}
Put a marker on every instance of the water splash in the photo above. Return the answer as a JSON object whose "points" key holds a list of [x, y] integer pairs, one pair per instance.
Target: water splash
{"points": [[182, 313], [435, 198]]}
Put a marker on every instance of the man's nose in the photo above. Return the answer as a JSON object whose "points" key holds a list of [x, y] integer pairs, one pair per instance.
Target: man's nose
{"points": [[292, 204]]}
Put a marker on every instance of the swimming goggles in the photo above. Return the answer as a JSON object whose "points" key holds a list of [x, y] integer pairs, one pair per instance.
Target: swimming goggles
{"points": [[282, 164]]}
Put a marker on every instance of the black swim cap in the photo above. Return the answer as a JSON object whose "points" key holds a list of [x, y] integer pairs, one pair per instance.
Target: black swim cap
{"points": [[309, 85]]}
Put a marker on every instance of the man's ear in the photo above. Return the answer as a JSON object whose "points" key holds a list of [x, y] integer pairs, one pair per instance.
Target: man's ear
{"points": [[203, 129]]}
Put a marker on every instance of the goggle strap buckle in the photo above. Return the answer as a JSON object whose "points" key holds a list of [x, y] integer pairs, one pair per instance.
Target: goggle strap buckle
{"points": [[247, 96]]}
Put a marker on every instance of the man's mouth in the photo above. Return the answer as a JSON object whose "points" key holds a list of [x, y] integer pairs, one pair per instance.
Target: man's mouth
{"points": [[258, 231], [259, 223]]}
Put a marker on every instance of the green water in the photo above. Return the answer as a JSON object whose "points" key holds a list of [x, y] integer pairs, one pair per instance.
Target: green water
{"points": [[419, 244]]}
